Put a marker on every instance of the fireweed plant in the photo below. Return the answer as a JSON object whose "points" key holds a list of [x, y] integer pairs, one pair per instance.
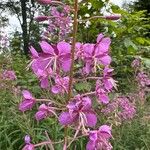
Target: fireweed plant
{"points": [[54, 67], [142, 78]]}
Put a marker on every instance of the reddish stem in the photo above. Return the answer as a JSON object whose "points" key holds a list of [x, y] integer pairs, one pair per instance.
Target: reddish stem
{"points": [[75, 27]]}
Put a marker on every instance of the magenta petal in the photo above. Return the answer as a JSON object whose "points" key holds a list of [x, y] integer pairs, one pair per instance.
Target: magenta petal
{"points": [[93, 136], [104, 44], [87, 104], [65, 118], [63, 47], [26, 105], [109, 83], [99, 38], [105, 130], [90, 146], [87, 68], [34, 52], [44, 83], [40, 115], [27, 139], [105, 60], [43, 107], [27, 94], [66, 65], [104, 98], [56, 89], [47, 48], [88, 49], [91, 119], [28, 147]]}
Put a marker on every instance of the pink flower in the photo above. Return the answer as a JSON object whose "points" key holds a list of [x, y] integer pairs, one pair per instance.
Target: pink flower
{"points": [[99, 139], [28, 145], [79, 51], [28, 101], [44, 112], [136, 63], [43, 77], [96, 53], [59, 24], [9, 75], [45, 2], [52, 57], [79, 110], [101, 94], [143, 79], [122, 107], [127, 108], [61, 85], [108, 81]]}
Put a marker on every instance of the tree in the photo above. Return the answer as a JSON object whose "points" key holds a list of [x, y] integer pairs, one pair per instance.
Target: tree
{"points": [[143, 5], [24, 10]]}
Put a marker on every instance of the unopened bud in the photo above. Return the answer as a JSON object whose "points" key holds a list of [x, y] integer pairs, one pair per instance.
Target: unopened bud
{"points": [[113, 17], [44, 2], [41, 18]]}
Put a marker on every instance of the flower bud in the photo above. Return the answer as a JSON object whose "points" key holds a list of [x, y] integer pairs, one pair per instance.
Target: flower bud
{"points": [[44, 2], [41, 18], [113, 17]]}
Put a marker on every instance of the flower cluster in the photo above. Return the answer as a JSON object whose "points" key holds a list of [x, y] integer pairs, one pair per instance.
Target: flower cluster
{"points": [[27, 102], [9, 75], [44, 111], [99, 139], [79, 111], [53, 67], [51, 60], [142, 79], [52, 64], [59, 23], [94, 54], [4, 42], [122, 108]]}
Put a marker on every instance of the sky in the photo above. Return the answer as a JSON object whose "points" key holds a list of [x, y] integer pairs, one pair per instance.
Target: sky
{"points": [[14, 24], [120, 2]]}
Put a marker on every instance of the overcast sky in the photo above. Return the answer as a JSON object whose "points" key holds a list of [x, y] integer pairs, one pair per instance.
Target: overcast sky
{"points": [[14, 24]]}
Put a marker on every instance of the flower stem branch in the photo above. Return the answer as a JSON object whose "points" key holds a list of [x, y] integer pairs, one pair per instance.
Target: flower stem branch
{"points": [[93, 17], [57, 2], [42, 143], [50, 144], [48, 100], [88, 94], [88, 78]]}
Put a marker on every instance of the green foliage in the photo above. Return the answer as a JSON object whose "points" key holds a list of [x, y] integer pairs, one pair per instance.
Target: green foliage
{"points": [[128, 39], [134, 134]]}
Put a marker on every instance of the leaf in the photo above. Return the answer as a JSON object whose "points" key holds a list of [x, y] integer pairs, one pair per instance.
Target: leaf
{"points": [[130, 45], [146, 61], [82, 86], [140, 40]]}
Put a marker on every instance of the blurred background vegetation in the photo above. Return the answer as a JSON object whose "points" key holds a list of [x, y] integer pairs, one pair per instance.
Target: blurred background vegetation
{"points": [[130, 39]]}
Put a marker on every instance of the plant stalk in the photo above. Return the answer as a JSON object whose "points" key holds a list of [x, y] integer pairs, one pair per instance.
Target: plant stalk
{"points": [[75, 27]]}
